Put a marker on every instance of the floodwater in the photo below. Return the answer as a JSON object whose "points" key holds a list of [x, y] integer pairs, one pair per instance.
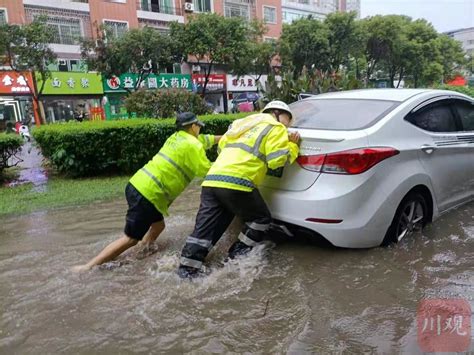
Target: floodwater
{"points": [[283, 298], [30, 162]]}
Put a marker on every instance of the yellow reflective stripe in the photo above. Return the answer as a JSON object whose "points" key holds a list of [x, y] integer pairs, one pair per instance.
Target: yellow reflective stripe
{"points": [[247, 148], [172, 162], [230, 179], [157, 182], [277, 154], [255, 149]]}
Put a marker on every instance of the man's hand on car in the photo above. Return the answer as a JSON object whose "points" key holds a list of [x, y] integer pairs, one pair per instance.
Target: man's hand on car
{"points": [[294, 137]]}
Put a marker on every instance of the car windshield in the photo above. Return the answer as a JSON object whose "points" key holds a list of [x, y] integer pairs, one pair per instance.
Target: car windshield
{"points": [[339, 114]]}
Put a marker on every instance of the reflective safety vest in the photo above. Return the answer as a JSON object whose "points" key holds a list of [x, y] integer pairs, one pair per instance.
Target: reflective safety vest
{"points": [[181, 158], [251, 146]]}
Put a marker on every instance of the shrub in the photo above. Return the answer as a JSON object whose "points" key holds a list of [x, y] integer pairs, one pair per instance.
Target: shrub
{"points": [[94, 148], [10, 144], [165, 103]]}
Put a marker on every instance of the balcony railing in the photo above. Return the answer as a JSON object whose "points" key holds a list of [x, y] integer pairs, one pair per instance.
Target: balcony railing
{"points": [[145, 5]]}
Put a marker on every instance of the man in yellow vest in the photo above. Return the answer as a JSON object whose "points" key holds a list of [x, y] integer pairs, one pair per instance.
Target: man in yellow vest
{"points": [[154, 187], [250, 146]]}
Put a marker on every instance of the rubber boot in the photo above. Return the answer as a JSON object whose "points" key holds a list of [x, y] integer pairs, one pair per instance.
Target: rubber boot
{"points": [[238, 249], [188, 272]]}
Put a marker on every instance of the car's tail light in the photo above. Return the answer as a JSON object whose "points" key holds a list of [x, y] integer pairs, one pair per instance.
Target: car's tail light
{"points": [[350, 162], [311, 162]]}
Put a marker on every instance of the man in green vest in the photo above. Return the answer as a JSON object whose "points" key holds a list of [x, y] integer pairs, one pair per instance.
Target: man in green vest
{"points": [[250, 146], [154, 187]]}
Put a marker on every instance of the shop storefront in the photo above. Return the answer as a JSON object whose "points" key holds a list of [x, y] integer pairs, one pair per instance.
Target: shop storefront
{"points": [[72, 96], [244, 89], [215, 90], [116, 89], [16, 103]]}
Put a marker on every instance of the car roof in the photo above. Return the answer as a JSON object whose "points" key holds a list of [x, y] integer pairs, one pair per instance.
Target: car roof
{"points": [[399, 95]]}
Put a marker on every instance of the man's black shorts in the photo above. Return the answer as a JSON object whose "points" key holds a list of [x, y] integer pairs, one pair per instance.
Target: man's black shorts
{"points": [[141, 214]]}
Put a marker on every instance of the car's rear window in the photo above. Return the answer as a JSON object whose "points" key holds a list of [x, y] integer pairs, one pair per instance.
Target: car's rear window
{"points": [[339, 114]]}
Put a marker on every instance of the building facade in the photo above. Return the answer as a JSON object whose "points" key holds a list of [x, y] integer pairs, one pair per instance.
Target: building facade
{"points": [[295, 9], [466, 37], [349, 6]]}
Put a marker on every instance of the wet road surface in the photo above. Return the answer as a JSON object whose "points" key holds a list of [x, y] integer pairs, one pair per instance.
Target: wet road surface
{"points": [[285, 298]]}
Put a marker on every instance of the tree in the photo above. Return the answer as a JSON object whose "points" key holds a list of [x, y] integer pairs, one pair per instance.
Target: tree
{"points": [[259, 54], [383, 44], [139, 51], [213, 39], [344, 39], [26, 48], [305, 43], [423, 54], [452, 56]]}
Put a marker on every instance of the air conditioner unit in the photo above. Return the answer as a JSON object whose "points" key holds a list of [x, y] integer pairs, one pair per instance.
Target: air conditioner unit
{"points": [[188, 7], [196, 68]]}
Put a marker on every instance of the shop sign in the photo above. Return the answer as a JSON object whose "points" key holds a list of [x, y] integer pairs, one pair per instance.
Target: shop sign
{"points": [[15, 83], [245, 82], [214, 82], [71, 83], [127, 82]]}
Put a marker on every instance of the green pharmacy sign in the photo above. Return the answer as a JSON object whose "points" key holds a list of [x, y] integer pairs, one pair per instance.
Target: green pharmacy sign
{"points": [[128, 82]]}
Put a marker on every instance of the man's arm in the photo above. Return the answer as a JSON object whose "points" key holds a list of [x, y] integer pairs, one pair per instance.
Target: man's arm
{"points": [[281, 148], [208, 140]]}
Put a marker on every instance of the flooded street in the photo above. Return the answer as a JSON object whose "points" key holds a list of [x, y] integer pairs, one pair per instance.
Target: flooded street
{"points": [[285, 298]]}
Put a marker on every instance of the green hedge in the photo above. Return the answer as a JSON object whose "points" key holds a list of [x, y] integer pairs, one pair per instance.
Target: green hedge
{"points": [[96, 148], [10, 144]]}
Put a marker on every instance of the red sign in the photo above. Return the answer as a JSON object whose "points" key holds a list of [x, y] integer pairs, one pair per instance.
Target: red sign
{"points": [[215, 82], [213, 79], [14, 83], [458, 81], [97, 114]]}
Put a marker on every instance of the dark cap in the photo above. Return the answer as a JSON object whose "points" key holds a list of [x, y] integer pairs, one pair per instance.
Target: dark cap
{"points": [[186, 118]]}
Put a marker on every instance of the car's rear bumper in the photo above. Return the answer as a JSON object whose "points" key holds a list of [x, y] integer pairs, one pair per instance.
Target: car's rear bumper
{"points": [[358, 204]]}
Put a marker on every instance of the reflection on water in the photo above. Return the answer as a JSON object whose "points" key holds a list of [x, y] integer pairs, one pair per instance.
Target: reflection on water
{"points": [[282, 298], [31, 167]]}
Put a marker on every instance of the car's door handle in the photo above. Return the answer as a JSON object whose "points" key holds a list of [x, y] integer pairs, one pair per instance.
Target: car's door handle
{"points": [[428, 149]]}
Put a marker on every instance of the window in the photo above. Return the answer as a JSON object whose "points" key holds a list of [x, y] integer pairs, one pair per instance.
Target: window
{"points": [[269, 14], [116, 28], [202, 5], [237, 10], [435, 118], [339, 114], [65, 30], [3, 17], [466, 113], [289, 17]]}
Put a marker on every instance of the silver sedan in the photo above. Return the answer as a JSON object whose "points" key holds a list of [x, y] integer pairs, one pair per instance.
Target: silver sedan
{"points": [[375, 165]]}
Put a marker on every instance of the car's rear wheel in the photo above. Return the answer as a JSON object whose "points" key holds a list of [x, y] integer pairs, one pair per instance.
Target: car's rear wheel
{"points": [[410, 217]]}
